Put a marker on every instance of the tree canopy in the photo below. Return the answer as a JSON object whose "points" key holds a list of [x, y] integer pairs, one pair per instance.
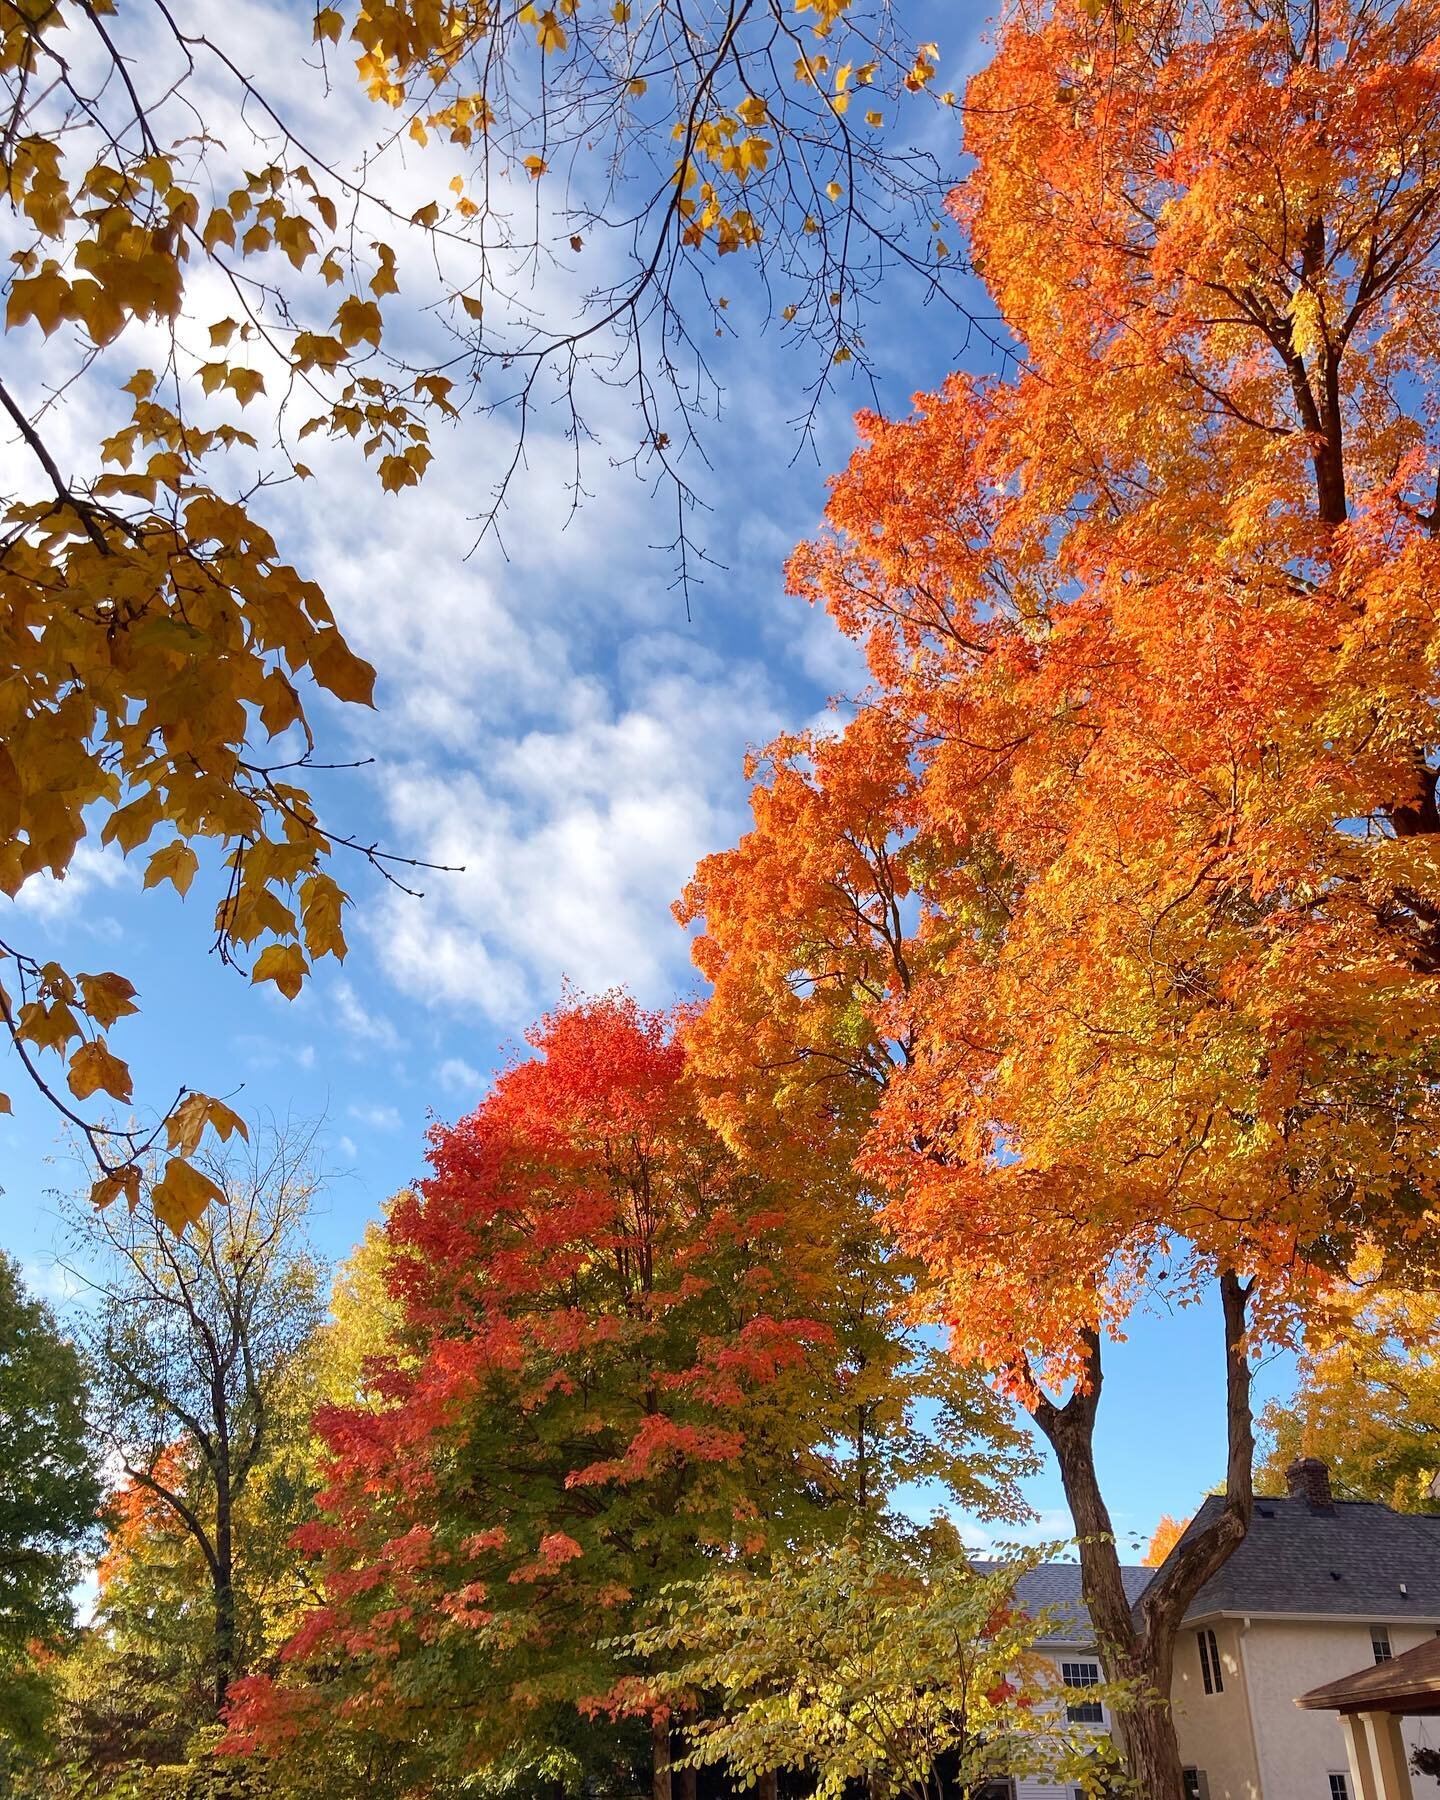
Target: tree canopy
{"points": [[622, 1356], [185, 253], [1115, 899], [49, 1499], [200, 1345], [899, 1666], [1367, 1399]]}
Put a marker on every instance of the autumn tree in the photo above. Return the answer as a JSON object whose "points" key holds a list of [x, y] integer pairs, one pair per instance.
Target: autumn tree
{"points": [[136, 1689], [620, 1358], [891, 1663], [49, 1500], [197, 1341], [1166, 1535], [1367, 1399], [210, 288], [1115, 902]]}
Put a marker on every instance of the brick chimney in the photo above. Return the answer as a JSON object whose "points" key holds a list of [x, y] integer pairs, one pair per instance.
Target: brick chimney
{"points": [[1308, 1479]]}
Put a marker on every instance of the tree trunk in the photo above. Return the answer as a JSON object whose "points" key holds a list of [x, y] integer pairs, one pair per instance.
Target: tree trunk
{"points": [[660, 1788], [767, 1787], [685, 1778], [1143, 1652], [224, 1595]]}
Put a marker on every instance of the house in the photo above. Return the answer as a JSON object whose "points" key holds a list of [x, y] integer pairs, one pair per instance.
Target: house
{"points": [[1319, 1588], [1069, 1643]]}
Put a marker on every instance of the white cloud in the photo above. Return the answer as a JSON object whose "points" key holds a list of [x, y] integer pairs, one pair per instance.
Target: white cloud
{"points": [[375, 1114], [574, 838], [50, 1281], [1051, 1526], [356, 1023], [457, 1077], [79, 895], [267, 1053]]}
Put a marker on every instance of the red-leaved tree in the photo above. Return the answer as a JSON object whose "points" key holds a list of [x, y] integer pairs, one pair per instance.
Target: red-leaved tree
{"points": [[623, 1357]]}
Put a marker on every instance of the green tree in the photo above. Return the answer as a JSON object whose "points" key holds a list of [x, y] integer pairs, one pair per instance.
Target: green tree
{"points": [[49, 1498]]}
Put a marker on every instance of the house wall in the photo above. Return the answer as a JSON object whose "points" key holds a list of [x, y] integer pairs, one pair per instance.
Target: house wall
{"points": [[1253, 1742], [1031, 1787], [1215, 1730], [1297, 1750]]}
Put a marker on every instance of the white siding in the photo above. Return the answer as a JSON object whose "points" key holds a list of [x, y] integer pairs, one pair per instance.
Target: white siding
{"points": [[1031, 1787], [1028, 1788]]}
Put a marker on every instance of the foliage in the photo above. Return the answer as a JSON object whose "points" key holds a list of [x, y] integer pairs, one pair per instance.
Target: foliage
{"points": [[1116, 901], [161, 655], [874, 1661], [200, 1345], [1073, 892], [1166, 1536], [1368, 1398], [620, 1357], [49, 1499]]}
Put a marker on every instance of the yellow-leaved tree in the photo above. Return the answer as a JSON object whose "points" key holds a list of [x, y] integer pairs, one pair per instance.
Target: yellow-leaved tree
{"points": [[180, 252]]}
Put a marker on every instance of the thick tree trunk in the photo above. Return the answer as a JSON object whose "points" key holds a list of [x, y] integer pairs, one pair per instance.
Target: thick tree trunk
{"points": [[1143, 1652], [768, 1786], [685, 1778], [660, 1787]]}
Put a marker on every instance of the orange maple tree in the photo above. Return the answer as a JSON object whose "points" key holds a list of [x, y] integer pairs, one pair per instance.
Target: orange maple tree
{"points": [[1166, 1536], [1116, 902], [137, 1515]]}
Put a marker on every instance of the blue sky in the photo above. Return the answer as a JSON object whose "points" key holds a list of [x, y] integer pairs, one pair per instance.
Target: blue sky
{"points": [[549, 717]]}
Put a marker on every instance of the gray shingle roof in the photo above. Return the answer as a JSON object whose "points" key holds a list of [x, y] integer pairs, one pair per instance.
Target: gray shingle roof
{"points": [[1055, 1588], [1350, 1562]]}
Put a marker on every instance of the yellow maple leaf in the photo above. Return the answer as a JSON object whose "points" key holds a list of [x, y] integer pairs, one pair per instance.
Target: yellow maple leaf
{"points": [[336, 667], [182, 1194], [107, 997], [285, 965], [93, 1069], [175, 863]]}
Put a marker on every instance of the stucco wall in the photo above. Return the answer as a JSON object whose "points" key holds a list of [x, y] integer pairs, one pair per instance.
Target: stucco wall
{"points": [[1251, 1740], [1298, 1749], [1215, 1729]]}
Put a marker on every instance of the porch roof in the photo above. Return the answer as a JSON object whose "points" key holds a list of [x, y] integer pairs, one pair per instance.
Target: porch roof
{"points": [[1409, 1683]]}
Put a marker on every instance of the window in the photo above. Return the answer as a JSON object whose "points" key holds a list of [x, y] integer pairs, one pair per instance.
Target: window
{"points": [[1210, 1671], [1380, 1643], [1197, 1787], [1339, 1785], [1082, 1675]]}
